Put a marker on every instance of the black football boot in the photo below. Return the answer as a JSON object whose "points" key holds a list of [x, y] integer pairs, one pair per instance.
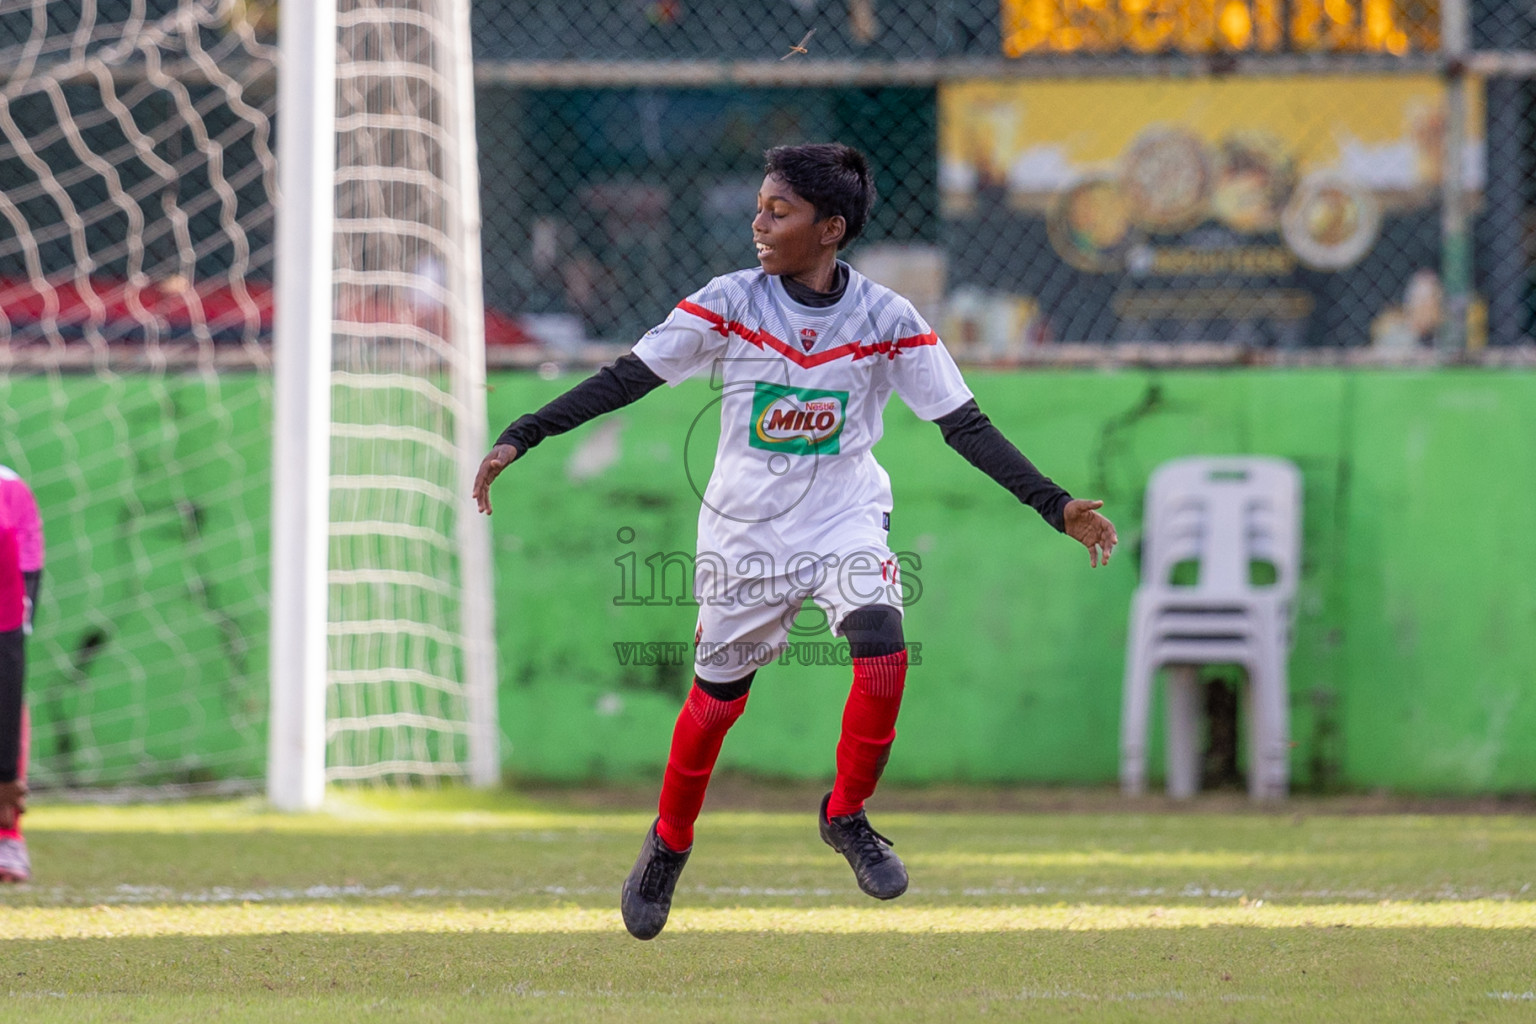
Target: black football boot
{"points": [[880, 872], [647, 896]]}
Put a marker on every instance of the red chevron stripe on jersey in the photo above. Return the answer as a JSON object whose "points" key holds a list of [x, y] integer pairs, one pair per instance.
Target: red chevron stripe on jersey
{"points": [[857, 349]]}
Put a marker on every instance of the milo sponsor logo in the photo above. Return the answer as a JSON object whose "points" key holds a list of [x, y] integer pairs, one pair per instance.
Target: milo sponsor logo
{"points": [[798, 421]]}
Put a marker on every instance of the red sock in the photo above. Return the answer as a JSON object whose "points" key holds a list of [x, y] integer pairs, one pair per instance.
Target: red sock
{"points": [[21, 769], [701, 728], [869, 729]]}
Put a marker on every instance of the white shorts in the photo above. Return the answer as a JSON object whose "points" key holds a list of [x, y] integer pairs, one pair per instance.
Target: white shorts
{"points": [[746, 617]]}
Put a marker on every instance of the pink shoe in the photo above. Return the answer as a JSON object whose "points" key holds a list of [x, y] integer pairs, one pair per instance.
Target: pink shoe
{"points": [[15, 866]]}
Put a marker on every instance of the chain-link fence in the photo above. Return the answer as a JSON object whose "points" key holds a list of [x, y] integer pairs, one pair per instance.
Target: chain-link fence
{"points": [[1503, 36], [914, 30], [1059, 179], [136, 180]]}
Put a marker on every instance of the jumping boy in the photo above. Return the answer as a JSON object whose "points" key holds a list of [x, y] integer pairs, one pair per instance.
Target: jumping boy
{"points": [[805, 352]]}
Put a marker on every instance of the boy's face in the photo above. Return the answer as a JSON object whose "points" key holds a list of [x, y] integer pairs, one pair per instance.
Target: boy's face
{"points": [[789, 239]]}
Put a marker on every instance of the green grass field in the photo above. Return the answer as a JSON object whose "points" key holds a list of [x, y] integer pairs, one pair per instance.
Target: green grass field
{"points": [[460, 907]]}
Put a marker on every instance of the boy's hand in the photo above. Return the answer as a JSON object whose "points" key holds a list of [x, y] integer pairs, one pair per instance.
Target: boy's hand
{"points": [[1090, 529], [499, 458], [13, 802]]}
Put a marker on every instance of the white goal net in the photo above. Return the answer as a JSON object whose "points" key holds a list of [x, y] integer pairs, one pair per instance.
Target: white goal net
{"points": [[136, 171], [137, 224], [408, 406]]}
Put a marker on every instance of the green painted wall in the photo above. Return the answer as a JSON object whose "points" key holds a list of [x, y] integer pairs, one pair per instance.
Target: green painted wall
{"points": [[1415, 659], [149, 663]]}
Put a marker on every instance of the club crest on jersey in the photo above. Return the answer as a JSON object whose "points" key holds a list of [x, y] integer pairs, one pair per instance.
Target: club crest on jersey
{"points": [[662, 326], [807, 338], [797, 421]]}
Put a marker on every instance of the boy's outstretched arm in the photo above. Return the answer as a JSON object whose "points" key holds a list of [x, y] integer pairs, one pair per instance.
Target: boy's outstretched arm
{"points": [[968, 431], [625, 380], [1095, 532], [497, 459]]}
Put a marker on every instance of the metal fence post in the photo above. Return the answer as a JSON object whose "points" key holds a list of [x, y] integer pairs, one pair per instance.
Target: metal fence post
{"points": [[1455, 204]]}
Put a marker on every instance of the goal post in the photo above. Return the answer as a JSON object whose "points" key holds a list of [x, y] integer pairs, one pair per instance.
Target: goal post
{"points": [[301, 405], [475, 551], [385, 663]]}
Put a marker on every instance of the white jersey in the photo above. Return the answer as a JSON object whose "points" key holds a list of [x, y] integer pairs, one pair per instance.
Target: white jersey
{"points": [[802, 393]]}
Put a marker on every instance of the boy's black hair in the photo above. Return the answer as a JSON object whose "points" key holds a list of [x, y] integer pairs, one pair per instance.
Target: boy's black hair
{"points": [[832, 177]]}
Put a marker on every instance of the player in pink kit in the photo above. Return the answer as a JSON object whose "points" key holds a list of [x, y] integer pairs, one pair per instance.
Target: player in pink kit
{"points": [[805, 352], [21, 571]]}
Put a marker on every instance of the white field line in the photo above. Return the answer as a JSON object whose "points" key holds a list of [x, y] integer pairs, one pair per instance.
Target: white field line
{"points": [[770, 892], [1170, 995], [165, 895], [47, 923]]}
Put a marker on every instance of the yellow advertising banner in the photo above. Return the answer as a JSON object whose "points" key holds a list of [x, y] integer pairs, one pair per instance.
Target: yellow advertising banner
{"points": [[1220, 184], [1220, 26]]}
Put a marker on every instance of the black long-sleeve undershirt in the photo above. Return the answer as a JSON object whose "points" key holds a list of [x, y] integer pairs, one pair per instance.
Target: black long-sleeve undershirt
{"points": [[968, 431], [807, 296], [627, 379]]}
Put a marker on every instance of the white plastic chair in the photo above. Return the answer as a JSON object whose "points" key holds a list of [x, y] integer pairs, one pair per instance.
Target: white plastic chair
{"points": [[1223, 513]]}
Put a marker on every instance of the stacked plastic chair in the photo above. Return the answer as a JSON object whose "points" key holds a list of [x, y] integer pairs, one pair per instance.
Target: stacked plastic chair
{"points": [[1226, 515]]}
